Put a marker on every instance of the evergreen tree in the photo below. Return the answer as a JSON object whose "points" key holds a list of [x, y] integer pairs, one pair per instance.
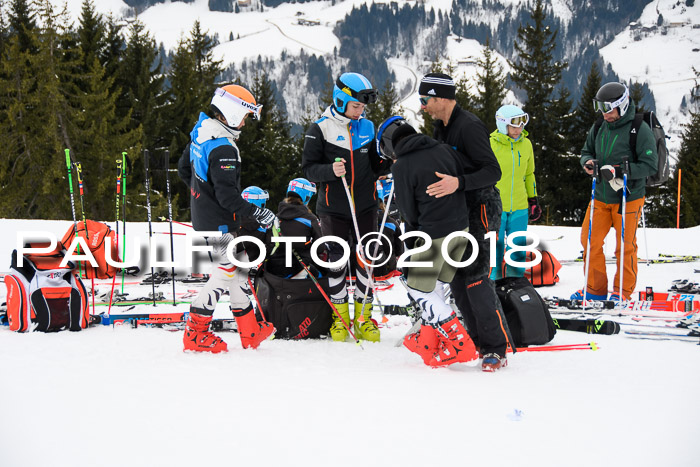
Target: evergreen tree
{"points": [[687, 169], [142, 83], [386, 106], [490, 87], [37, 117], [584, 114], [91, 31], [192, 76], [538, 74], [22, 23], [637, 96], [270, 157]]}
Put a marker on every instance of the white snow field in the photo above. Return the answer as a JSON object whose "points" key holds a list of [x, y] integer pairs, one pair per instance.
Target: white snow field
{"points": [[117, 396]]}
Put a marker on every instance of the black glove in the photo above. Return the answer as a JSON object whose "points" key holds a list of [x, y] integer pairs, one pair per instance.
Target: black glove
{"points": [[263, 216], [534, 211]]}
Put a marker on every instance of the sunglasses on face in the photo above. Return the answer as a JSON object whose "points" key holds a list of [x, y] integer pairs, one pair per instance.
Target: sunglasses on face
{"points": [[424, 100]]}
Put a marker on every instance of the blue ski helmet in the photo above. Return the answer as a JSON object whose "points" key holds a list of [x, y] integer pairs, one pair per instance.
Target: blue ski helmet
{"points": [[384, 188], [352, 87], [255, 195], [303, 188], [390, 132], [510, 115]]}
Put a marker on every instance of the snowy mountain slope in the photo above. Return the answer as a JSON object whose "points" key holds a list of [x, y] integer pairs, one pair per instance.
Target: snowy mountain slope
{"points": [[664, 57], [116, 396], [661, 55]]}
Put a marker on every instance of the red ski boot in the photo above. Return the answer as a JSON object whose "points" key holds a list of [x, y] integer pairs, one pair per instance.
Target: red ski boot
{"points": [[252, 331], [424, 342], [197, 337], [455, 344]]}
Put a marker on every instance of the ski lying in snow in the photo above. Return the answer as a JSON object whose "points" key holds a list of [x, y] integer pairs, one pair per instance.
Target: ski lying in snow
{"points": [[632, 306], [691, 336], [589, 326]]}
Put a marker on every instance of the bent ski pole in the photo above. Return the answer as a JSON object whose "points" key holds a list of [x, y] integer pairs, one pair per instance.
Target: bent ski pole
{"points": [[328, 300], [590, 229]]}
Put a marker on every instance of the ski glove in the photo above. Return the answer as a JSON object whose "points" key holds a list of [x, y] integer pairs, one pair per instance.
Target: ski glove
{"points": [[264, 217], [608, 173], [534, 211]]}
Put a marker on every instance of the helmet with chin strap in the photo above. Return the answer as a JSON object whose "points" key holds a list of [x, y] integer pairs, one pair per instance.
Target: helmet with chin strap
{"points": [[234, 102], [352, 87]]}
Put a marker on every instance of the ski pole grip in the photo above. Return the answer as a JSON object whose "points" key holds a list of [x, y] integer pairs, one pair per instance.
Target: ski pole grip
{"points": [[625, 165], [594, 164], [146, 157], [340, 159]]}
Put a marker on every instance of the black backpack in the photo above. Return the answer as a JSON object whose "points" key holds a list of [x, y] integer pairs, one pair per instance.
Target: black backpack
{"points": [[663, 170], [527, 314]]}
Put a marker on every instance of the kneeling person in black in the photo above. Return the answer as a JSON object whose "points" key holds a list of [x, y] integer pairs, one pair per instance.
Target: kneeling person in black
{"points": [[442, 340]]}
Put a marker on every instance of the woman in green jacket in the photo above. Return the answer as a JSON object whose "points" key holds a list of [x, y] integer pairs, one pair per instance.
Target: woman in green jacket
{"points": [[517, 184]]}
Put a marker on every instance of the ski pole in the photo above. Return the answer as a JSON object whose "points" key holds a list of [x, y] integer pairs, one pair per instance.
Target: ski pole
{"points": [[79, 173], [170, 217], [361, 252], [146, 157], [124, 162], [625, 171], [328, 300], [646, 239], [551, 348], [119, 184], [376, 248], [255, 296], [590, 229], [72, 205]]}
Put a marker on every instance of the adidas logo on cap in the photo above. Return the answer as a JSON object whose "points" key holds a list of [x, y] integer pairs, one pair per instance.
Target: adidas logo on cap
{"points": [[431, 92]]}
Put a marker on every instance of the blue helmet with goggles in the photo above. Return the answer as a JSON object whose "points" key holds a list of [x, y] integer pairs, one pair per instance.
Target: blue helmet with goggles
{"points": [[612, 96], [302, 188], [352, 87], [510, 115], [255, 195]]}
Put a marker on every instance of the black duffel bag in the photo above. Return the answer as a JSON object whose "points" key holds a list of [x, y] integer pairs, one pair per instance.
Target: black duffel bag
{"points": [[295, 306]]}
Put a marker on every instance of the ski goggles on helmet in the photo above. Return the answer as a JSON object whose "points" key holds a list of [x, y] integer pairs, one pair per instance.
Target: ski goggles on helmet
{"points": [[255, 109], [606, 107], [517, 121], [365, 96]]}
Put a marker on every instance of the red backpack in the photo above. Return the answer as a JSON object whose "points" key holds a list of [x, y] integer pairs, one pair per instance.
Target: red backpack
{"points": [[97, 232], [545, 273], [43, 296]]}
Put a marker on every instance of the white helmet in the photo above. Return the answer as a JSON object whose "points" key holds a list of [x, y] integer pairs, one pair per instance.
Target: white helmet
{"points": [[234, 103]]}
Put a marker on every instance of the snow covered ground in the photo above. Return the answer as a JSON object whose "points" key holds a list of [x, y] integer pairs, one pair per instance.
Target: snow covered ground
{"points": [[116, 396]]}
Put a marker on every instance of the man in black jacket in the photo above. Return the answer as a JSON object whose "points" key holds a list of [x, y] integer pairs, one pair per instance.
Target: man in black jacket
{"points": [[211, 167], [472, 288], [442, 340]]}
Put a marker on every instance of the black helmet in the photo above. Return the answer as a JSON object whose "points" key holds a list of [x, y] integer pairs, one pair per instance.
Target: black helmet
{"points": [[611, 96], [388, 136]]}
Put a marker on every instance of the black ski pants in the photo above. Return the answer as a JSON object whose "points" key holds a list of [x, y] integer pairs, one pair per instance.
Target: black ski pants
{"points": [[473, 290]]}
